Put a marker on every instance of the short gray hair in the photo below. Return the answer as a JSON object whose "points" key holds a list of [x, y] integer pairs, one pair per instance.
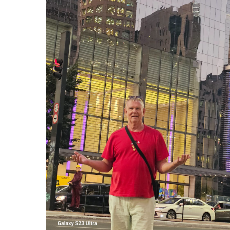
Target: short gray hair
{"points": [[135, 98]]}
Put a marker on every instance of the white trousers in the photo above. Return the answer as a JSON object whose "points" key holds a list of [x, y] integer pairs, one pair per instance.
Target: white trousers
{"points": [[131, 213]]}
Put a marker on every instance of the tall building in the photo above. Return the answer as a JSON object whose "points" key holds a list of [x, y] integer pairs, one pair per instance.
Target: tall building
{"points": [[61, 16], [209, 122], [177, 32], [111, 17], [225, 124], [173, 84]]}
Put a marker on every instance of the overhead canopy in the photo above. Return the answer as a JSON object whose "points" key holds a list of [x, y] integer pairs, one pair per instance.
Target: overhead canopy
{"points": [[182, 169]]}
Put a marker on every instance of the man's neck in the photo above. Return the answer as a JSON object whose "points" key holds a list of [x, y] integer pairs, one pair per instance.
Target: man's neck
{"points": [[136, 127]]}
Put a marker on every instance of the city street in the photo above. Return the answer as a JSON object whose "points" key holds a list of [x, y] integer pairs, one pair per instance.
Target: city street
{"points": [[92, 223]]}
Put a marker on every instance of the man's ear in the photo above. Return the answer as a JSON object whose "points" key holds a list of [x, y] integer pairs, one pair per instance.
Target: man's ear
{"points": [[125, 111], [143, 111]]}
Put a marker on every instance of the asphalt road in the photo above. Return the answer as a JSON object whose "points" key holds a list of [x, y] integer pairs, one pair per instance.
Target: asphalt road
{"points": [[91, 224]]}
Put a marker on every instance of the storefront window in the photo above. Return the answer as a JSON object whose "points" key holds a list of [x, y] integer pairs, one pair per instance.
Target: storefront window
{"points": [[180, 190]]}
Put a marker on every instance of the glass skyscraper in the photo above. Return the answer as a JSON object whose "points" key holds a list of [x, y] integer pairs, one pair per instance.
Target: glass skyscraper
{"points": [[176, 64]]}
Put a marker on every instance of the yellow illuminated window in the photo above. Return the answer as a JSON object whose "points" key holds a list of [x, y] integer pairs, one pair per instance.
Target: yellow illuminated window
{"points": [[99, 30], [89, 19], [89, 28], [178, 148], [132, 24], [84, 2], [111, 10], [109, 31], [128, 24], [116, 33], [112, 0], [109, 21], [150, 105], [83, 11], [181, 105], [121, 1], [120, 11], [119, 22], [129, 14], [98, 19], [90, 1], [99, 9], [162, 113], [90, 10]]}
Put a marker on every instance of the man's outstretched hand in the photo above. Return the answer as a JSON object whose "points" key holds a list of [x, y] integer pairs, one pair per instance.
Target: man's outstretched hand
{"points": [[79, 158], [181, 160]]}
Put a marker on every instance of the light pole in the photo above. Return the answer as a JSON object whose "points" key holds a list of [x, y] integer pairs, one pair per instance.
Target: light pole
{"points": [[57, 119]]}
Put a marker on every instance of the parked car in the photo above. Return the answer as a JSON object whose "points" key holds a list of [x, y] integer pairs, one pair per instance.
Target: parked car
{"points": [[94, 197], [222, 210], [193, 209], [211, 203]]}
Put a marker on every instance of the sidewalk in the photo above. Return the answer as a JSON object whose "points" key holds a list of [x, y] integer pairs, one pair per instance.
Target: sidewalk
{"points": [[106, 217]]}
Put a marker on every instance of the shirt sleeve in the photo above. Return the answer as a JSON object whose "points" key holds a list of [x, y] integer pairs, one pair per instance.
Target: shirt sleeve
{"points": [[161, 149], [108, 152]]}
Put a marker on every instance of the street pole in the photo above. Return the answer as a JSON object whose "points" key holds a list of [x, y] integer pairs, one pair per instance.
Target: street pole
{"points": [[183, 210], [57, 123]]}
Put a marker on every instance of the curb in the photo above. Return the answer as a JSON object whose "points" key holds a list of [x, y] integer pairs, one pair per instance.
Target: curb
{"points": [[184, 224]]}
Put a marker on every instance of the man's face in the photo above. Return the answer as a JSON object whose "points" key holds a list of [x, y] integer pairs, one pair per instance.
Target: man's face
{"points": [[134, 111]]}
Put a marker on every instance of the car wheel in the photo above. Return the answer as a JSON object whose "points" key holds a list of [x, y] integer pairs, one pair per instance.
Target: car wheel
{"points": [[206, 217], [171, 214]]}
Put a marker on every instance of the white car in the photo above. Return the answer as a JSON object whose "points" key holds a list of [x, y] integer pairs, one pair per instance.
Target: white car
{"points": [[193, 209]]}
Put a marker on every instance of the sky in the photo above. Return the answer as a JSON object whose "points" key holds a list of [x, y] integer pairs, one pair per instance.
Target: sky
{"points": [[213, 48]]}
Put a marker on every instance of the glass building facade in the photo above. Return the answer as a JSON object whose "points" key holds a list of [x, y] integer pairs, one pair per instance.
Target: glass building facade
{"points": [[113, 69], [180, 49]]}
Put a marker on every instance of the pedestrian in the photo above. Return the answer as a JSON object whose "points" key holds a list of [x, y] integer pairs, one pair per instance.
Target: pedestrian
{"points": [[75, 184], [131, 197]]}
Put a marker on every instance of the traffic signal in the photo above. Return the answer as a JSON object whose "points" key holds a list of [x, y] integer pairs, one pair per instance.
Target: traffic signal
{"points": [[58, 68]]}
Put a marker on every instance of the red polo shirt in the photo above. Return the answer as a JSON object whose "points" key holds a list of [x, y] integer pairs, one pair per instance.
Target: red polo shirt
{"points": [[131, 177]]}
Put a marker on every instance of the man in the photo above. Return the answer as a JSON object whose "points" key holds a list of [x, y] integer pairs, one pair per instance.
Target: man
{"points": [[131, 199], [76, 188]]}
